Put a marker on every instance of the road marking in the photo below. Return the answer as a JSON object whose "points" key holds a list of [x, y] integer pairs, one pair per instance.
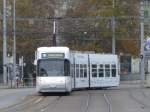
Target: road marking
{"points": [[38, 100], [42, 110]]}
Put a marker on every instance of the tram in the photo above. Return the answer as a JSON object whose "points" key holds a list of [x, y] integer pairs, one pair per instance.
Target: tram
{"points": [[61, 70]]}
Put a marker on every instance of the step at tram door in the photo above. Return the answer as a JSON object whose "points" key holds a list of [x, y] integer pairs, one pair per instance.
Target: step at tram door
{"points": [[81, 71]]}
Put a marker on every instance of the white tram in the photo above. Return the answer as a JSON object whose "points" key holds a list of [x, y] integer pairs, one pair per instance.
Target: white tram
{"points": [[60, 70]]}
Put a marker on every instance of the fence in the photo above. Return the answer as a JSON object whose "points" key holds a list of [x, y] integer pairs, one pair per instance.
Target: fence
{"points": [[23, 83]]}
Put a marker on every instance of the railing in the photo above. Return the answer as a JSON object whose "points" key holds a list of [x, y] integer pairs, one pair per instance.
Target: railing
{"points": [[26, 82], [20, 83]]}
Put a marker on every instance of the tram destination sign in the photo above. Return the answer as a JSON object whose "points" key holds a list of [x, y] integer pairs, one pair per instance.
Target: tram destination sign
{"points": [[52, 55]]}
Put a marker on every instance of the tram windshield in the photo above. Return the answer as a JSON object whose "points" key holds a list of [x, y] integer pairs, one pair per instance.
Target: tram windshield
{"points": [[53, 67]]}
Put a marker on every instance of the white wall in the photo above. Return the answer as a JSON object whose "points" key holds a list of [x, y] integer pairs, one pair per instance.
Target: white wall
{"points": [[149, 66], [135, 63]]}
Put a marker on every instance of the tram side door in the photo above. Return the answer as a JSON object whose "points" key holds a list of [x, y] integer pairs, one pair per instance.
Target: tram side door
{"points": [[96, 70], [81, 71]]}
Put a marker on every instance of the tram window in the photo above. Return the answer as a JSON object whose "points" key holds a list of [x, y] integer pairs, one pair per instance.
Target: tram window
{"points": [[77, 65], [101, 72], [52, 67], [81, 66], [113, 72], [85, 66], [85, 72], [107, 70], [101, 66], [81, 72], [77, 72], [107, 66], [94, 72], [94, 66], [72, 68], [113, 66]]}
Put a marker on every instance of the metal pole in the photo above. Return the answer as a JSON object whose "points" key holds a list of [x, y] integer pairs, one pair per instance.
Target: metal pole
{"points": [[4, 43], [54, 33], [22, 65], [113, 29], [14, 38], [142, 67]]}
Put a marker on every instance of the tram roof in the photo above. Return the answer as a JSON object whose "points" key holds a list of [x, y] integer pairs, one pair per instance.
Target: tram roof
{"points": [[53, 49]]}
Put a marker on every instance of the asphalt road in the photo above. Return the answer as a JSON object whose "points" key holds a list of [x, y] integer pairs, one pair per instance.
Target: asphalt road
{"points": [[9, 97], [122, 99]]}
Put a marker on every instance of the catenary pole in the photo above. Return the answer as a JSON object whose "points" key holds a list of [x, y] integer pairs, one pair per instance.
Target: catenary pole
{"points": [[113, 30], [4, 43], [142, 67], [14, 38]]}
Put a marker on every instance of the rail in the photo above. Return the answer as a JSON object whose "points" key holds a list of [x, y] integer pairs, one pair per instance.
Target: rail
{"points": [[107, 99]]}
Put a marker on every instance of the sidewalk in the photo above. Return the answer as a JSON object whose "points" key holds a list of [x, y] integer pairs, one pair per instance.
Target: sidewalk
{"points": [[132, 84]]}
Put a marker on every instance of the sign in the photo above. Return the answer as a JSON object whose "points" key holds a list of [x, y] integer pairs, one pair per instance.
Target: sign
{"points": [[147, 54], [147, 44], [52, 55]]}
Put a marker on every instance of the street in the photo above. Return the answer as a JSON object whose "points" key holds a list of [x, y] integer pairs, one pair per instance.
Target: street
{"points": [[12, 96], [119, 99]]}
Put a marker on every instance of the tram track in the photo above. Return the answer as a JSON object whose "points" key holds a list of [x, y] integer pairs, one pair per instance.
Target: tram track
{"points": [[60, 102], [24, 104], [87, 103], [40, 104], [108, 102], [143, 104], [144, 94], [51, 105]]}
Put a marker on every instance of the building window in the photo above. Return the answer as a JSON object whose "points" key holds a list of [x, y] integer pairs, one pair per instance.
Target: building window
{"points": [[146, 13]]}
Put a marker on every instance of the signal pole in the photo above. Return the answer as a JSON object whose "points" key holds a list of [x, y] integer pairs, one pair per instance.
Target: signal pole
{"points": [[4, 43]]}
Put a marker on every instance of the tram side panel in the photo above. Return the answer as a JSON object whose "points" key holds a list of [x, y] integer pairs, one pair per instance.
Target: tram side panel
{"points": [[103, 70]]}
